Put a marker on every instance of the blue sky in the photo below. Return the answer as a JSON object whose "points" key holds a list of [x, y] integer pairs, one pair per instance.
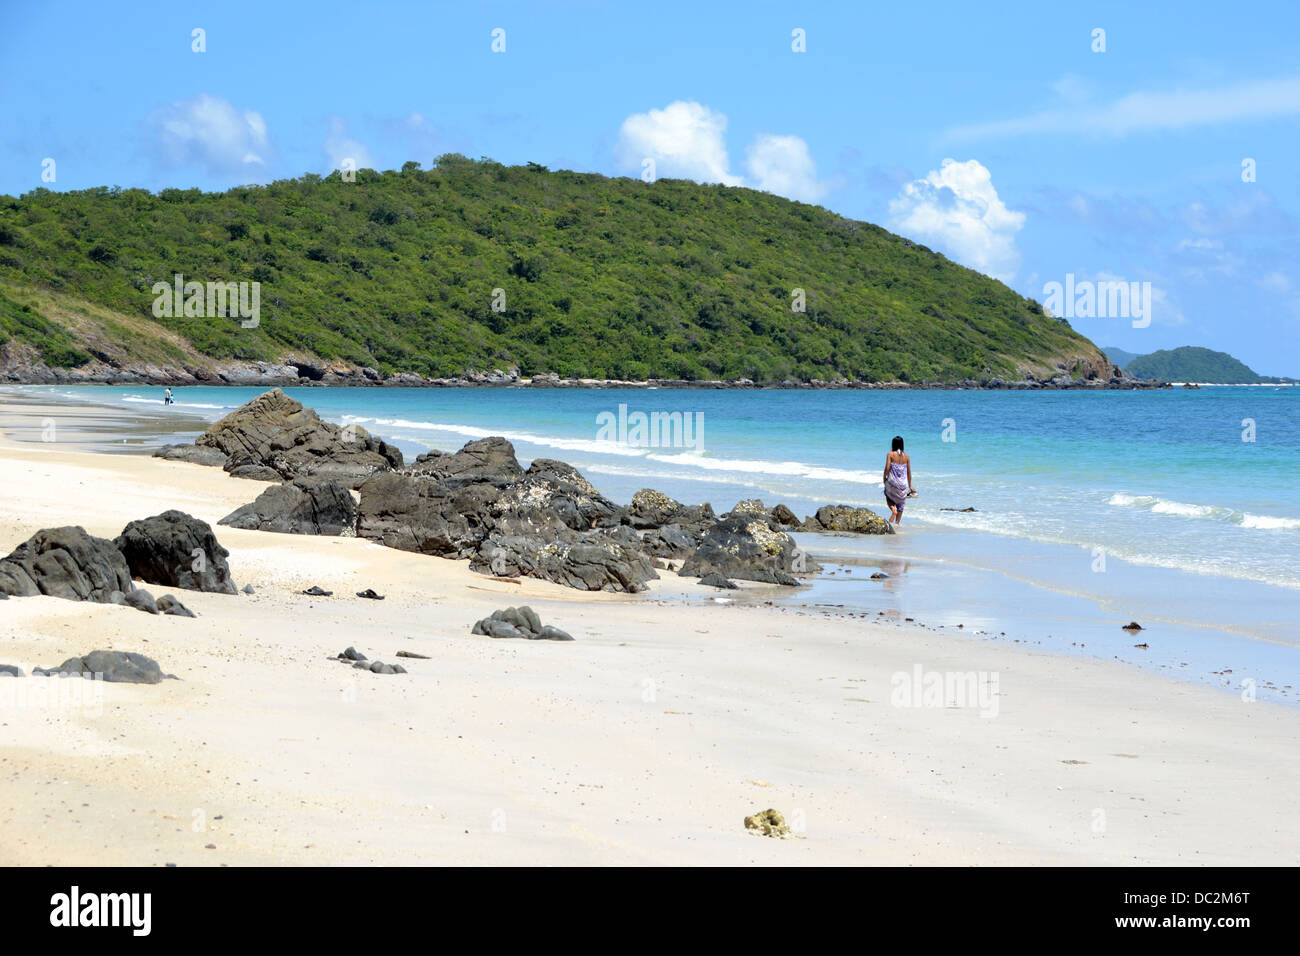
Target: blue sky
{"points": [[1122, 165]]}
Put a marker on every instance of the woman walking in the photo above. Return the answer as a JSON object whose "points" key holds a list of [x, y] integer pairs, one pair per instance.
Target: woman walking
{"points": [[898, 480]]}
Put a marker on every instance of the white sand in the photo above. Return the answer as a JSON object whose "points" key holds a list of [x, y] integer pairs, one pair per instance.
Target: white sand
{"points": [[647, 740]]}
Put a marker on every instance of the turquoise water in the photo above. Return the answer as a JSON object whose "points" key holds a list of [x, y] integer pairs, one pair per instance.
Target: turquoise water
{"points": [[1093, 508], [1159, 478]]}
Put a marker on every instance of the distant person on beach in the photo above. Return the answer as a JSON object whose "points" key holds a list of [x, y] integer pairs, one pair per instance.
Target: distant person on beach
{"points": [[167, 396], [898, 480]]}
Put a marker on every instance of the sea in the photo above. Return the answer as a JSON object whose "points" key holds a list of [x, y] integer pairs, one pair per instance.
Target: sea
{"points": [[1049, 518]]}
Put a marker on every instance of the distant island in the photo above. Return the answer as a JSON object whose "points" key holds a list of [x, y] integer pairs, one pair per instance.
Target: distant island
{"points": [[475, 269], [1191, 363]]}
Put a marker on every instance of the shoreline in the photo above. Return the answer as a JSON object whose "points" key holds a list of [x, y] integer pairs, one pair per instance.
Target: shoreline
{"points": [[949, 585]]}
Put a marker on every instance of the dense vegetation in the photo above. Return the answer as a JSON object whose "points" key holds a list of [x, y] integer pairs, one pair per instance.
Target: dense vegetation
{"points": [[1194, 364], [607, 278]]}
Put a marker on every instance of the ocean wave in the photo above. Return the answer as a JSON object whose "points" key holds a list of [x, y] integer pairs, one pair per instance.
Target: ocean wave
{"points": [[158, 401], [1180, 509], [792, 469]]}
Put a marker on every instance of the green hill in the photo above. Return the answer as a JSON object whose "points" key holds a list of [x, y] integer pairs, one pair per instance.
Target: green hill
{"points": [[1119, 356], [1191, 363], [604, 278]]}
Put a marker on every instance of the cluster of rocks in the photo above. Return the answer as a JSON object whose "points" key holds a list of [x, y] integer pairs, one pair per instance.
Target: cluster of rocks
{"points": [[480, 504], [22, 364], [769, 823], [275, 438], [172, 549], [519, 622], [361, 662]]}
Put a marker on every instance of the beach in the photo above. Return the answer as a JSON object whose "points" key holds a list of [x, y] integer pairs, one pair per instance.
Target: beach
{"points": [[647, 740]]}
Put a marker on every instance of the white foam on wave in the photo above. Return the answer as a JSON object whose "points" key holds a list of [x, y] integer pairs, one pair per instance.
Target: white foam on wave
{"points": [[178, 404], [1180, 509], [794, 469]]}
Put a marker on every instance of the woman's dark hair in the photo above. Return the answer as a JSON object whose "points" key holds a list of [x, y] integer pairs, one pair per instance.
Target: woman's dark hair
{"points": [[897, 444]]}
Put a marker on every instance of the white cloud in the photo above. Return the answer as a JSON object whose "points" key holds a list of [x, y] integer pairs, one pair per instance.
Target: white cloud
{"points": [[1148, 111], [784, 165], [957, 208], [1276, 282], [340, 148], [687, 140], [210, 132]]}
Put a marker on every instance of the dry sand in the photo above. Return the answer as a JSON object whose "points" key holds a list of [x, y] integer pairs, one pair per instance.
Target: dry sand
{"points": [[646, 740]]}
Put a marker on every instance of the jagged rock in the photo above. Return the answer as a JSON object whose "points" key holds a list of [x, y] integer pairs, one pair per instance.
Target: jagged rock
{"points": [[275, 432], [176, 550], [426, 515], [783, 517], [716, 580], [169, 605], [747, 547], [301, 506], [589, 561], [141, 600], [491, 460], [116, 667], [195, 454], [654, 509], [672, 541], [251, 470], [753, 507], [67, 563], [519, 622], [847, 518], [551, 490]]}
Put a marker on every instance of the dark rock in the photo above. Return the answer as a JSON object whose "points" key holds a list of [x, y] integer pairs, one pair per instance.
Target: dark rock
{"points": [[412, 654], [879, 576], [783, 517], [176, 550], [491, 460], [847, 518], [195, 454], [370, 594], [116, 667], [301, 506], [141, 600], [589, 561], [671, 541], [716, 580], [1132, 626], [549, 491], [248, 589], [654, 509], [519, 622], [252, 470], [962, 510], [278, 433], [8, 670], [169, 605], [427, 515], [317, 591], [746, 547], [67, 563], [352, 654]]}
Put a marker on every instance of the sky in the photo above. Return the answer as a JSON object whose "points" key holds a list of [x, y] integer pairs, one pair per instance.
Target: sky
{"points": [[1022, 142]]}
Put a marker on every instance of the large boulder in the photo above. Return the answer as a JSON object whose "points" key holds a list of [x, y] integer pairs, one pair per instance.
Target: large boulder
{"points": [[176, 550], [115, 667], [67, 563], [552, 491], [589, 561], [672, 542], [301, 506], [425, 515], [847, 518], [654, 509], [747, 547], [276, 434], [490, 460]]}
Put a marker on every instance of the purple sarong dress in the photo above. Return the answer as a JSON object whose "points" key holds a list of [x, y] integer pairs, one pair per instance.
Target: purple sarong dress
{"points": [[896, 486]]}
